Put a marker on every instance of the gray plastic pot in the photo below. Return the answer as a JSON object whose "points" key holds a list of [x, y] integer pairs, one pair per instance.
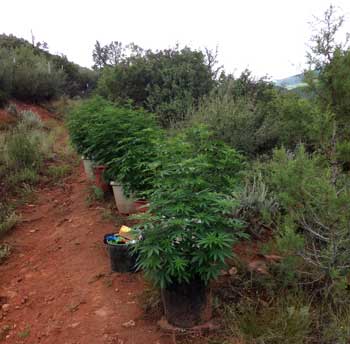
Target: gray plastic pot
{"points": [[125, 205], [88, 168]]}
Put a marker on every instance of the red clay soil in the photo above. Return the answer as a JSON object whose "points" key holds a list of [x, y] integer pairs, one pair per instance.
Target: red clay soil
{"points": [[58, 283], [5, 117], [44, 114], [57, 287]]}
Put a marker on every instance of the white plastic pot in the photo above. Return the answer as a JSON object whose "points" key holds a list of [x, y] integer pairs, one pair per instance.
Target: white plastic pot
{"points": [[125, 205], [88, 168]]}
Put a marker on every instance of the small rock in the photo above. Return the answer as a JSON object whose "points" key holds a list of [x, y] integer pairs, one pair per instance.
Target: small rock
{"points": [[223, 273], [49, 299], [116, 290], [258, 266], [5, 307], [130, 323], [101, 312], [233, 271], [11, 294], [74, 325], [32, 231], [273, 258]]}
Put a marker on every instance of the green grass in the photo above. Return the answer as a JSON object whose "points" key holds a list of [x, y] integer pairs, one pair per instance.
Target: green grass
{"points": [[26, 175], [25, 333], [286, 319], [5, 251], [95, 194], [57, 172], [8, 219]]}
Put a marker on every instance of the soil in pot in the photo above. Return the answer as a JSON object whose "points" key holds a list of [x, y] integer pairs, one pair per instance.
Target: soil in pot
{"points": [[187, 305], [99, 180]]}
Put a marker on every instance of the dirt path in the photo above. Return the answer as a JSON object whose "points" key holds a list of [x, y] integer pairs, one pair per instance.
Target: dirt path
{"points": [[57, 283]]}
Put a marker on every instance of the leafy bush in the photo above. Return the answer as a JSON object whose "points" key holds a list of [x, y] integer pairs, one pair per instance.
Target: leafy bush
{"points": [[31, 73], [59, 171], [256, 206], [255, 122], [165, 82], [30, 119], [8, 218], [5, 251], [285, 320], [21, 152], [187, 231], [24, 175], [313, 204], [5, 77], [34, 78]]}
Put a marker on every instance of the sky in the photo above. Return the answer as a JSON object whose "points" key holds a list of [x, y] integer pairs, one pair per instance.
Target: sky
{"points": [[267, 36]]}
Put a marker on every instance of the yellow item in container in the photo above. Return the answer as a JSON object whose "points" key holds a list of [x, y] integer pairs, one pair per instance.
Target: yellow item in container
{"points": [[128, 233], [124, 229]]}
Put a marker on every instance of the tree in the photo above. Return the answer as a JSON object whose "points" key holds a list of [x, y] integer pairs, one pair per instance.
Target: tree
{"points": [[166, 82], [113, 54], [326, 62]]}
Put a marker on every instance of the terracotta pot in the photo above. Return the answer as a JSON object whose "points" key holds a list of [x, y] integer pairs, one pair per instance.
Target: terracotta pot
{"points": [[125, 205], [141, 206], [187, 304], [99, 180]]}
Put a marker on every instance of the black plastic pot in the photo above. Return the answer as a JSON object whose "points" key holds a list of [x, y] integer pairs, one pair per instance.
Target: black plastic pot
{"points": [[187, 305], [121, 257]]}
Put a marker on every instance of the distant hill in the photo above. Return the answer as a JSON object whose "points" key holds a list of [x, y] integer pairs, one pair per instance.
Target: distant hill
{"points": [[291, 82]]}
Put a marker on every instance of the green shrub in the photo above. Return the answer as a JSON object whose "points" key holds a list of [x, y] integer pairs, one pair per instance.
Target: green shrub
{"points": [[12, 110], [35, 77], [22, 152], [57, 172], [8, 218], [31, 73], [165, 82], [319, 209], [256, 206], [287, 319], [257, 124], [5, 76], [95, 194], [334, 326], [5, 251], [30, 120], [24, 175]]}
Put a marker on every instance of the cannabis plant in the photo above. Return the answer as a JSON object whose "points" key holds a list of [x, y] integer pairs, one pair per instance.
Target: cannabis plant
{"points": [[188, 233]]}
